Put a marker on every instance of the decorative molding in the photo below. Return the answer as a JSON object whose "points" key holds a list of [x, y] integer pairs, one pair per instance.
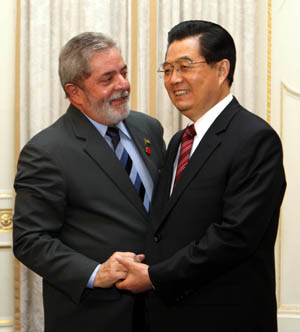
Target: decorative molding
{"points": [[6, 195], [5, 246], [17, 106], [5, 220], [291, 309], [291, 91], [269, 61], [279, 5], [286, 89], [7, 322], [17, 314]]}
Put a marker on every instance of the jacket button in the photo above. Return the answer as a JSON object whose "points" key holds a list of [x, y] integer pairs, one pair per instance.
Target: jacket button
{"points": [[156, 238], [180, 298]]}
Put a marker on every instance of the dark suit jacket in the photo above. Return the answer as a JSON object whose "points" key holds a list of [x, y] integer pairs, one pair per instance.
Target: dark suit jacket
{"points": [[76, 206], [211, 248]]}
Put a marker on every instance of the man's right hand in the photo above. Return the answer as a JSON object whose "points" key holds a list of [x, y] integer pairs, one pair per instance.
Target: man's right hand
{"points": [[112, 271]]}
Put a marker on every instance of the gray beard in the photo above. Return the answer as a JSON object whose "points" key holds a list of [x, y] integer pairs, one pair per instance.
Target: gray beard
{"points": [[109, 115]]}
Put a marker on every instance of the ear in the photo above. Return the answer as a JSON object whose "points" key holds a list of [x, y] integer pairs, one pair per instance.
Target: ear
{"points": [[75, 93], [223, 70]]}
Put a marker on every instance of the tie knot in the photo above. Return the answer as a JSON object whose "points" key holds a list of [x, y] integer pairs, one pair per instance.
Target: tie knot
{"points": [[113, 133], [190, 131]]}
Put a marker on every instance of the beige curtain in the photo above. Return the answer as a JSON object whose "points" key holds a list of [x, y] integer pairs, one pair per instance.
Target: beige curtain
{"points": [[47, 24]]}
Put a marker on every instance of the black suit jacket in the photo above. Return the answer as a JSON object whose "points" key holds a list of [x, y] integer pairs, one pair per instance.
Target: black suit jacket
{"points": [[211, 248], [75, 206]]}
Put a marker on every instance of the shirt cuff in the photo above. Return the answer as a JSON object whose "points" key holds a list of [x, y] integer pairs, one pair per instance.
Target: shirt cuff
{"points": [[90, 283]]}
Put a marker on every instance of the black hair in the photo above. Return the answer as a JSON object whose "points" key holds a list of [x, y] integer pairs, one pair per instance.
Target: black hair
{"points": [[215, 43]]}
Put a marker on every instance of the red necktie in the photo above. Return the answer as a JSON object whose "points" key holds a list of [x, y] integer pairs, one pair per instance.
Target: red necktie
{"points": [[185, 150]]}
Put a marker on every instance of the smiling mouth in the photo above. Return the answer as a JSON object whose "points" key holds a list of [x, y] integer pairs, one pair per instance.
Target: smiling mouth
{"points": [[121, 99], [181, 92]]}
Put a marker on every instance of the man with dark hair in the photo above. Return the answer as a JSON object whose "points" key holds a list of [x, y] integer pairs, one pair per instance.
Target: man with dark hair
{"points": [[210, 256], [83, 192]]}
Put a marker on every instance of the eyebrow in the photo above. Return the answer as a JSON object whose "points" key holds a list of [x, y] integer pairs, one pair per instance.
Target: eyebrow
{"points": [[113, 71], [185, 57]]}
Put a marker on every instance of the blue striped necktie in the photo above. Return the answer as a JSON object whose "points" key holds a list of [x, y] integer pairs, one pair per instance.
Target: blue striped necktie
{"points": [[126, 161]]}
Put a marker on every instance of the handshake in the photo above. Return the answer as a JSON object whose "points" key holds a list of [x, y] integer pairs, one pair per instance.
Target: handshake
{"points": [[126, 271]]}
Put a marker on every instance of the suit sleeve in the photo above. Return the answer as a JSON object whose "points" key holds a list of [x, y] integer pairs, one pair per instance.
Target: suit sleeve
{"points": [[39, 216], [253, 194]]}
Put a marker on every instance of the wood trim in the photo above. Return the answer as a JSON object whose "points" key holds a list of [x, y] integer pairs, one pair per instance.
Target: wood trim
{"points": [[153, 20], [269, 61], [17, 325], [134, 55]]}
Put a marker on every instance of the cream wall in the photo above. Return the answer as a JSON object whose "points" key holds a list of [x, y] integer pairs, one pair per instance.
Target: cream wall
{"points": [[285, 118], [7, 98], [278, 101]]}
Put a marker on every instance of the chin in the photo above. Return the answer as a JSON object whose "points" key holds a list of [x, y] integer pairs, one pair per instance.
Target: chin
{"points": [[182, 108], [115, 117]]}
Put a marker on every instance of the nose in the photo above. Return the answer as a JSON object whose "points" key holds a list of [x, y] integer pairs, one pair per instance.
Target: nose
{"points": [[122, 83], [176, 76]]}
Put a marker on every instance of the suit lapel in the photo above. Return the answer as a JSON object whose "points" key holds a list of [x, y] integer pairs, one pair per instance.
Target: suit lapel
{"points": [[198, 159], [208, 145], [97, 149], [162, 197]]}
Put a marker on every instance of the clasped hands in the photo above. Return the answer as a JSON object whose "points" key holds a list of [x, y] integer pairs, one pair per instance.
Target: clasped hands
{"points": [[126, 271]]}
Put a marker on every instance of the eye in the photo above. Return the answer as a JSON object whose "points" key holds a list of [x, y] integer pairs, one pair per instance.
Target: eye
{"points": [[124, 74], [167, 70], [106, 79], [184, 66]]}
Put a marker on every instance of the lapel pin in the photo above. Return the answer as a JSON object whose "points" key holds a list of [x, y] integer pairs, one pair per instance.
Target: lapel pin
{"points": [[147, 148]]}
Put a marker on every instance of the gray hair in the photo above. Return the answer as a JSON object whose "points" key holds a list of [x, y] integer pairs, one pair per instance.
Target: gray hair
{"points": [[75, 56]]}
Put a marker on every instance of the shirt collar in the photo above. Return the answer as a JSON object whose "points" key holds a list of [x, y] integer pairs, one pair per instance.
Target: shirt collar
{"points": [[209, 117], [103, 128]]}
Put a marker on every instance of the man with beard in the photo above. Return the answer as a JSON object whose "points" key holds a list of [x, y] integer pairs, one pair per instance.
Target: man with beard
{"points": [[83, 192]]}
